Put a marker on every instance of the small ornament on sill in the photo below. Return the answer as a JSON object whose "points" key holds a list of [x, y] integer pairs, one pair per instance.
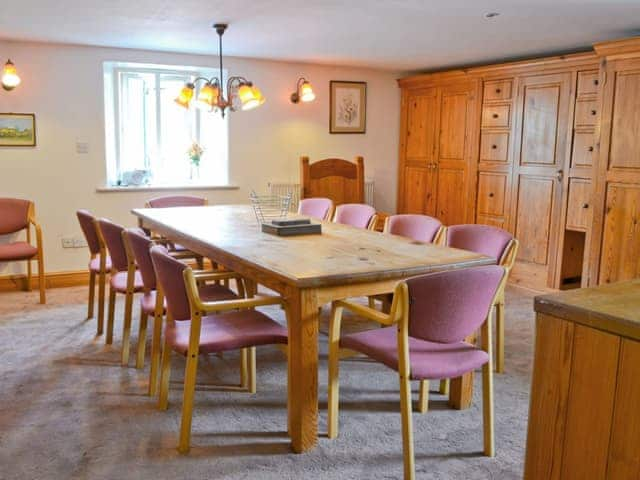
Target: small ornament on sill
{"points": [[195, 154]]}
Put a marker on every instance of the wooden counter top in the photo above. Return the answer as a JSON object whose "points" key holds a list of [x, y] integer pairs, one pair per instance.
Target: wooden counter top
{"points": [[613, 308]]}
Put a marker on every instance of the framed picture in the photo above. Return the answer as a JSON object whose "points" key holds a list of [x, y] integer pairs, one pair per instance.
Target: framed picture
{"points": [[17, 130], [348, 113]]}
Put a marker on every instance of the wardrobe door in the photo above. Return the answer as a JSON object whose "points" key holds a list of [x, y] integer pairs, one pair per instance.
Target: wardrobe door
{"points": [[457, 139], [616, 244], [419, 130], [540, 155]]}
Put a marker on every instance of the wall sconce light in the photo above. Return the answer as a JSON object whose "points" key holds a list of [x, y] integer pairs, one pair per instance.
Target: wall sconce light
{"points": [[303, 92], [10, 78]]}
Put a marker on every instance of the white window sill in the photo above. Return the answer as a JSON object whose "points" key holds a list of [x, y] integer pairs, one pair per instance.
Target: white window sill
{"points": [[161, 188]]}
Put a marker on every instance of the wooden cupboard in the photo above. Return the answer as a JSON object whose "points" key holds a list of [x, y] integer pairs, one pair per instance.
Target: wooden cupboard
{"points": [[583, 415], [521, 146], [614, 246], [438, 150]]}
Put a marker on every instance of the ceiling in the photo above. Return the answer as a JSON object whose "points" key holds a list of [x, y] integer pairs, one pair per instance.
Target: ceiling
{"points": [[399, 35]]}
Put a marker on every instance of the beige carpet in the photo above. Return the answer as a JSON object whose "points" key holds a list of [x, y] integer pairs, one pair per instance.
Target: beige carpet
{"points": [[68, 410]]}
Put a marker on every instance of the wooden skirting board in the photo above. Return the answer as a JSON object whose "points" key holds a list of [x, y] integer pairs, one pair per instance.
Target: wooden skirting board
{"points": [[10, 283]]}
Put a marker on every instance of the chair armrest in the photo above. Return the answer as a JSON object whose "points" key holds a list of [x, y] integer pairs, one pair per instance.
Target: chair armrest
{"points": [[207, 275], [243, 303], [183, 254], [370, 313]]}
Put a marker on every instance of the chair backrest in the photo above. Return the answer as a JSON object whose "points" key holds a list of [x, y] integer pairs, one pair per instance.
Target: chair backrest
{"points": [[14, 215], [315, 207], [176, 201], [340, 180], [420, 228], [483, 239], [448, 306], [112, 235], [355, 214], [169, 274], [140, 245], [88, 226]]}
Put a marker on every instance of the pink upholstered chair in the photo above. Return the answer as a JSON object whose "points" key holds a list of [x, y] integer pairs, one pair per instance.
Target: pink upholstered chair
{"points": [[320, 208], [420, 228], [99, 264], [169, 201], [430, 317], [496, 243], [125, 279], [138, 246], [17, 215], [197, 327], [359, 215]]}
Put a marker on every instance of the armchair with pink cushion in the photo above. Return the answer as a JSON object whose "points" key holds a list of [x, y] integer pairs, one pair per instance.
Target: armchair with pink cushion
{"points": [[424, 339], [498, 244], [359, 215], [138, 248], [319, 208], [17, 215], [99, 265], [196, 327]]}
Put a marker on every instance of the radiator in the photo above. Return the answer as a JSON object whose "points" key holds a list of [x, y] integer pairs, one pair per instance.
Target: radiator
{"points": [[276, 188]]}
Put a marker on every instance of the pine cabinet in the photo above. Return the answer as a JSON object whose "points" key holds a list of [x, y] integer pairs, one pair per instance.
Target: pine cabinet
{"points": [[437, 151]]}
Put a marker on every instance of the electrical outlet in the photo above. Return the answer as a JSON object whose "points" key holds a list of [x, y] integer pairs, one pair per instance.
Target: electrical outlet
{"points": [[67, 242]]}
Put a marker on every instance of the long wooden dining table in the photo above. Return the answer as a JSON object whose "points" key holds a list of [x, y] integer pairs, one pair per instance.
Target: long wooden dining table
{"points": [[308, 271]]}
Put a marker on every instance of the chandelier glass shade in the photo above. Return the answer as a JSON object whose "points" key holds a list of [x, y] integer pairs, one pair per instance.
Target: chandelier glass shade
{"points": [[214, 96]]}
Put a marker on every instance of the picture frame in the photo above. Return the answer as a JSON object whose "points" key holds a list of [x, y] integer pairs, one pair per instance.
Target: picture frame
{"points": [[348, 107], [17, 130]]}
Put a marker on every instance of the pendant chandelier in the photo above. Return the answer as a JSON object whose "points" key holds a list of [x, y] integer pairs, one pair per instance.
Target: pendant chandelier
{"points": [[212, 97]]}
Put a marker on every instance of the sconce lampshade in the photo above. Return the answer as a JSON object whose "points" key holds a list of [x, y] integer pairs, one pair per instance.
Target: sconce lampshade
{"points": [[186, 94], [10, 78], [306, 93], [208, 96]]}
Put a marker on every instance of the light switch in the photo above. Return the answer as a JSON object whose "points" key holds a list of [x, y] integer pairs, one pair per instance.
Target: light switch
{"points": [[82, 147]]}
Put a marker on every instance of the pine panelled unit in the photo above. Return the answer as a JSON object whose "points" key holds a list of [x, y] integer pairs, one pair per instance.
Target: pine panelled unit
{"points": [[516, 146]]}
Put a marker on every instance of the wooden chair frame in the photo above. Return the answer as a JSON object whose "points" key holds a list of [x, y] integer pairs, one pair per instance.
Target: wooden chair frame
{"points": [[31, 222], [399, 316], [199, 309], [102, 280]]}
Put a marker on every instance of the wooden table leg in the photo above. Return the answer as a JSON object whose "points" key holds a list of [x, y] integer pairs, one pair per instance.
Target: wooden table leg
{"points": [[303, 369], [461, 388]]}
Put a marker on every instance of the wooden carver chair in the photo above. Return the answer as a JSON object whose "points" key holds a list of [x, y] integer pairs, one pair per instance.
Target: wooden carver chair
{"points": [[340, 180], [17, 215]]}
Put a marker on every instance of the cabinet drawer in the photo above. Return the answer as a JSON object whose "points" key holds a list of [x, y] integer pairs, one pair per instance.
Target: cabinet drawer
{"points": [[491, 193], [496, 115], [586, 113], [588, 82], [579, 206], [582, 155], [498, 90], [494, 146]]}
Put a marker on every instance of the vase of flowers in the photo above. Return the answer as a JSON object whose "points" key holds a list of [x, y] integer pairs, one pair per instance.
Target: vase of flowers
{"points": [[195, 154]]}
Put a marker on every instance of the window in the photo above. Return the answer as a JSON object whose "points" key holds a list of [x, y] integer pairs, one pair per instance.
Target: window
{"points": [[146, 130]]}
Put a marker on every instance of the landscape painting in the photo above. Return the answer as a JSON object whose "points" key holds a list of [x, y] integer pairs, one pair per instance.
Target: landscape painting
{"points": [[17, 130]]}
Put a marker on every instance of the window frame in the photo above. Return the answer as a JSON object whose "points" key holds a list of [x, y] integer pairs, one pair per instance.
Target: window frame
{"points": [[116, 70]]}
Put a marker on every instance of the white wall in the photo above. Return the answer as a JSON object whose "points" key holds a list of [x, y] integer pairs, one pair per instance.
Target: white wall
{"points": [[63, 86]]}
